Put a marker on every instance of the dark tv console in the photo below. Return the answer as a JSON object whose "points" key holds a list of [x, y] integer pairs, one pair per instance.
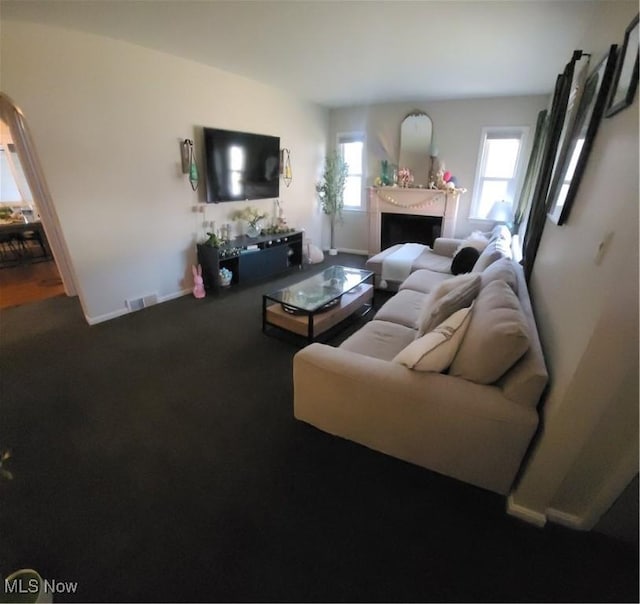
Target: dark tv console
{"points": [[250, 258]]}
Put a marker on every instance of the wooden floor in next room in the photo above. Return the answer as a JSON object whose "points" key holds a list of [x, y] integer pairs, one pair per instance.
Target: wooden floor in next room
{"points": [[28, 282]]}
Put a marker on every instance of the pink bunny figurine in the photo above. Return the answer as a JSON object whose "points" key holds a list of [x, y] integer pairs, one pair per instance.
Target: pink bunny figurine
{"points": [[198, 283]]}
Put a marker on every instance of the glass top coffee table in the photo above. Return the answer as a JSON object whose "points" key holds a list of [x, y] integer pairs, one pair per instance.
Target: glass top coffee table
{"points": [[314, 305]]}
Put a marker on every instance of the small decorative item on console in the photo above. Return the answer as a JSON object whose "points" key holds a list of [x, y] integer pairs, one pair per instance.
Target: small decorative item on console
{"points": [[225, 277], [279, 224], [405, 177], [253, 217]]}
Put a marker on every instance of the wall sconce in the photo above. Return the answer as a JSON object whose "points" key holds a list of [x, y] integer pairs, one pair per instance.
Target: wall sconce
{"points": [[285, 166], [189, 163]]}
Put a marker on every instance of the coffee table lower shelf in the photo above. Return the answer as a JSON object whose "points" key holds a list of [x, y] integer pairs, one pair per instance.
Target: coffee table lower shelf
{"points": [[313, 324]]}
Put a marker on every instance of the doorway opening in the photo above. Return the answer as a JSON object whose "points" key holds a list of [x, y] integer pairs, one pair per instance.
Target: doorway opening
{"points": [[34, 262]]}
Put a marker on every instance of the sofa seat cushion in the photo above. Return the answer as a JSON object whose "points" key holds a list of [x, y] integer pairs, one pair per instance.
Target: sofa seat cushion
{"points": [[403, 309], [433, 262], [497, 336], [423, 281], [380, 339], [435, 350]]}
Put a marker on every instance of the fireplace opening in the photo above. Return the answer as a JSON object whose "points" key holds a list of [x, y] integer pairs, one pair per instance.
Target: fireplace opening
{"points": [[408, 228]]}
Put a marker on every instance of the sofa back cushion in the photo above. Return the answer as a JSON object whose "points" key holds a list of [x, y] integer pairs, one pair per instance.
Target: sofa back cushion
{"points": [[503, 269], [494, 251], [500, 231], [496, 338], [476, 240], [450, 296], [525, 382]]}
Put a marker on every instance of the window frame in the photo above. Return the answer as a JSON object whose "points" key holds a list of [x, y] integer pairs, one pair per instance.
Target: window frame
{"points": [[355, 137], [17, 175], [497, 132]]}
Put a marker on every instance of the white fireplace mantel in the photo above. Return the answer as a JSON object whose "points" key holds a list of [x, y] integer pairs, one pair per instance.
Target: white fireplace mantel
{"points": [[418, 202]]}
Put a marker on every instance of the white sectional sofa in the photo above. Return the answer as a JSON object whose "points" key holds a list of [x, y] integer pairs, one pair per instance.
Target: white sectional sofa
{"points": [[473, 419], [439, 258]]}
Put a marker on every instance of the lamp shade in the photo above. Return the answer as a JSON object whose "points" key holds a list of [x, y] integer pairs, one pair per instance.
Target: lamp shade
{"points": [[501, 211]]}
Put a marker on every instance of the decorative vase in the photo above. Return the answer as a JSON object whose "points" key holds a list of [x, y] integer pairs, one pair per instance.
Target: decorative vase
{"points": [[385, 174], [253, 230]]}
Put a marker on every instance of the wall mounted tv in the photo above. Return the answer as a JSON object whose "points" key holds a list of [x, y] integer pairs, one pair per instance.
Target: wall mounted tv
{"points": [[240, 165]]}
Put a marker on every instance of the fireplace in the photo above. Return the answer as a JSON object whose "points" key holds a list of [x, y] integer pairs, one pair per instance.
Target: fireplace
{"points": [[408, 228], [403, 211]]}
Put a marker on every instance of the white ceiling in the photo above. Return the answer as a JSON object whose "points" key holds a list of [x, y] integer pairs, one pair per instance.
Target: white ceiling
{"points": [[340, 53]]}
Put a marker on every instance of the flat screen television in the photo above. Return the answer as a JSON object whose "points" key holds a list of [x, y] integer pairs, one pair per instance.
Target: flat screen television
{"points": [[241, 165]]}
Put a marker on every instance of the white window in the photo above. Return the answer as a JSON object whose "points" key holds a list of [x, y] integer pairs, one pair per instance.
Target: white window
{"points": [[351, 147], [13, 184], [498, 171]]}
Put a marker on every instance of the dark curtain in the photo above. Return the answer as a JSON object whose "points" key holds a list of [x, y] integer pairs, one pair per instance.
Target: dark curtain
{"points": [[533, 168], [538, 213]]}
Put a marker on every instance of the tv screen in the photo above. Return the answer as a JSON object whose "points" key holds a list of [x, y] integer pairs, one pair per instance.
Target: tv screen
{"points": [[240, 165]]}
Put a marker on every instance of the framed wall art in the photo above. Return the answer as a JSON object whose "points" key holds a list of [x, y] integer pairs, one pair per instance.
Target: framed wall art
{"points": [[578, 79], [584, 130], [625, 80]]}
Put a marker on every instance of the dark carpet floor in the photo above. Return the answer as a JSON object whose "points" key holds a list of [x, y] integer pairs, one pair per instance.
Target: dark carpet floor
{"points": [[156, 458]]}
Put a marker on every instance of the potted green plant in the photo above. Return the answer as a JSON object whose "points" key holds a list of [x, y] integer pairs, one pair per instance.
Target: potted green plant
{"points": [[331, 192]]}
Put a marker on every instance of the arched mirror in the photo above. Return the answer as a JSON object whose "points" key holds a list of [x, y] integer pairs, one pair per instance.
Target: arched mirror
{"points": [[415, 144]]}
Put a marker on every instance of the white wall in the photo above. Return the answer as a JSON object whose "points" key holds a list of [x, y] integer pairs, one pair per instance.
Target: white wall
{"points": [[457, 129], [588, 319], [107, 118]]}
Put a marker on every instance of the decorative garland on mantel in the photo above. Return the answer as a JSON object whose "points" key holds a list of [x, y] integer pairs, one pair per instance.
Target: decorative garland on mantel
{"points": [[439, 197]]}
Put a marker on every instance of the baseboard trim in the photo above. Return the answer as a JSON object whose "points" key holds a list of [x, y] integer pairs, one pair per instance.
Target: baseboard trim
{"points": [[526, 514], [564, 519], [107, 317], [125, 311], [173, 296]]}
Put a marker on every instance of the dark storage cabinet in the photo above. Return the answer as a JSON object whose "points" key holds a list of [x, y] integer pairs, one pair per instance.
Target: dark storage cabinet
{"points": [[251, 258], [208, 259]]}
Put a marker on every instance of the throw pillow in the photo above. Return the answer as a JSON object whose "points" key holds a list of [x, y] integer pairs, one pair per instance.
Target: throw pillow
{"points": [[497, 336], [435, 350], [464, 260], [450, 296], [448, 285]]}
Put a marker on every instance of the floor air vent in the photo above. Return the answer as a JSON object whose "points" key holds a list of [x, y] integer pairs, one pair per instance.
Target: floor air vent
{"points": [[140, 303]]}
